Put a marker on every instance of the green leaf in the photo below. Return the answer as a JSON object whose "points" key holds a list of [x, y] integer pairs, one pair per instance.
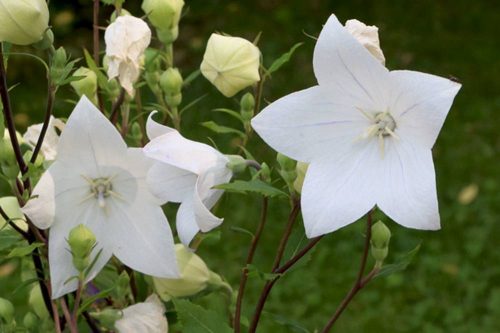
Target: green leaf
{"points": [[283, 59], [232, 113], [253, 271], [196, 319], [242, 231], [213, 126], [254, 185], [403, 262], [24, 250], [191, 104], [191, 77], [101, 78]]}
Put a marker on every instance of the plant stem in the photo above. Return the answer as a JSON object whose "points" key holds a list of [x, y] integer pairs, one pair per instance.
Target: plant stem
{"points": [[270, 284], [78, 297], [360, 281], [96, 46], [286, 235], [12, 224], [244, 273], [55, 317], [116, 106], [67, 315], [51, 93]]}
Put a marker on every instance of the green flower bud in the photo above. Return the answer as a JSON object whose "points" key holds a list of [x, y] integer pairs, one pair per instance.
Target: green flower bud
{"points": [[107, 317], [23, 21], [171, 81], [194, 276], [46, 42], [11, 207], [37, 303], [168, 36], [87, 85], [7, 155], [164, 15], [81, 241], [58, 66], [30, 321], [380, 238], [286, 163], [236, 163], [301, 169], [265, 172], [6, 311]]}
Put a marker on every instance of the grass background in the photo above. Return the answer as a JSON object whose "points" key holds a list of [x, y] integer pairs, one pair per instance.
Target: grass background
{"points": [[454, 283]]}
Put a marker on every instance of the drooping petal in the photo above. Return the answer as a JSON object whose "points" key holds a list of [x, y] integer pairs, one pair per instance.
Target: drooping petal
{"points": [[420, 102], [340, 188], [408, 195], [306, 124], [88, 139], [341, 62], [170, 184], [185, 222], [155, 129], [142, 237]]}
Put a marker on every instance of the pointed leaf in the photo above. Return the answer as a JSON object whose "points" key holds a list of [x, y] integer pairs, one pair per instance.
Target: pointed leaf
{"points": [[196, 319], [254, 185], [283, 59], [403, 262]]}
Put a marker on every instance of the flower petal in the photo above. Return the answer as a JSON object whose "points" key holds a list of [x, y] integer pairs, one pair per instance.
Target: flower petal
{"points": [[88, 139], [340, 61], [155, 129], [41, 208], [169, 183], [341, 188], [420, 102], [185, 222], [305, 124], [408, 195]]}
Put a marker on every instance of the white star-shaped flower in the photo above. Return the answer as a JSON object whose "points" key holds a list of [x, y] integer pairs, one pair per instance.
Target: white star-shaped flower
{"points": [[126, 41], [367, 133], [203, 167], [145, 317], [98, 182]]}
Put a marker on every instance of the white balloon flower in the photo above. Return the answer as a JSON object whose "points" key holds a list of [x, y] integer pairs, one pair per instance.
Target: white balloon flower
{"points": [[98, 182], [367, 133], [203, 167], [145, 317], [49, 145], [126, 41]]}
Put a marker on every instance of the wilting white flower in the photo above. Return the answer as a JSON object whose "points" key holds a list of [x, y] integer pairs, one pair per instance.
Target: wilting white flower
{"points": [[49, 145], [230, 63], [203, 167], [98, 182], [126, 40], [146, 317], [367, 35], [367, 134], [23, 21]]}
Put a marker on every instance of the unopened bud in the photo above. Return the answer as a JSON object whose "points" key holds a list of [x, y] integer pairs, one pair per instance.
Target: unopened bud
{"points": [[265, 172], [6, 311], [46, 42], [301, 169], [171, 81], [286, 163], [31, 321], [164, 15], [107, 317], [7, 155], [81, 241], [194, 276], [380, 238], [23, 22], [59, 61], [236, 163], [247, 105], [87, 85], [37, 303]]}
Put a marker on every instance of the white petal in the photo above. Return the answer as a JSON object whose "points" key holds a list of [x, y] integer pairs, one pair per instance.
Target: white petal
{"points": [[340, 61], [90, 140], [408, 195], [41, 208], [155, 129], [185, 222], [146, 317], [305, 124], [172, 148], [204, 218], [142, 237], [420, 103], [341, 188], [170, 184]]}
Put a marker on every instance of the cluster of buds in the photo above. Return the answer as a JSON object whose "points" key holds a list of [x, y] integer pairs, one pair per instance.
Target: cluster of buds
{"points": [[164, 15], [381, 235], [171, 84], [81, 241], [247, 111]]}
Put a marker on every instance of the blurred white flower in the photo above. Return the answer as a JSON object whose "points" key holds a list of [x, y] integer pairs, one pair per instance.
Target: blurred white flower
{"points": [[367, 35], [203, 167], [146, 317], [367, 134], [51, 140], [230, 63], [98, 182], [468, 194], [126, 40], [23, 21]]}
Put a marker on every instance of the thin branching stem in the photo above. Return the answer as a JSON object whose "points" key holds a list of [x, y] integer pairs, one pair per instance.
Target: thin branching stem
{"points": [[51, 94], [250, 256], [96, 45]]}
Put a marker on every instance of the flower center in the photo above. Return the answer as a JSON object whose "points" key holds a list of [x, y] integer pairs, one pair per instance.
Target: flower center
{"points": [[100, 189], [382, 126]]}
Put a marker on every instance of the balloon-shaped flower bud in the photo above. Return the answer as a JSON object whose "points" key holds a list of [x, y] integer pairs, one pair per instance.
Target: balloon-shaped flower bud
{"points": [[171, 83], [301, 169], [81, 240], [7, 155], [367, 35], [236, 163], [6, 311], [87, 84], [231, 64], [126, 40], [247, 106], [23, 22], [164, 15], [31, 322], [195, 276], [37, 303], [380, 238]]}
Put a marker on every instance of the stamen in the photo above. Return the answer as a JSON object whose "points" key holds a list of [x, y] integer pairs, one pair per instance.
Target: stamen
{"points": [[383, 126]]}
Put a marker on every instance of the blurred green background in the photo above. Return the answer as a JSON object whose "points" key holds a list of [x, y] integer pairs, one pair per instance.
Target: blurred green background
{"points": [[454, 283]]}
